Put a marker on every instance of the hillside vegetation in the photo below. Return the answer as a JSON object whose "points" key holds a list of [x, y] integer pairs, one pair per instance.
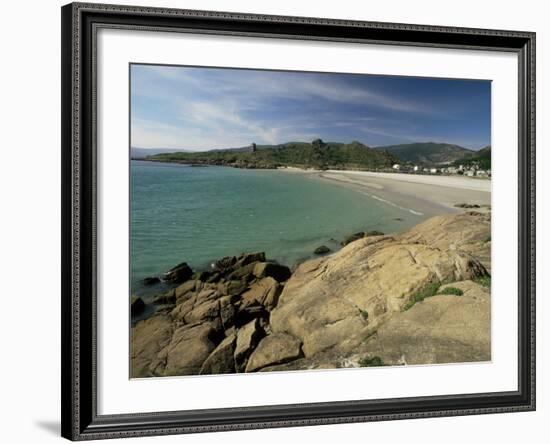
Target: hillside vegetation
{"points": [[481, 159], [317, 154], [428, 153]]}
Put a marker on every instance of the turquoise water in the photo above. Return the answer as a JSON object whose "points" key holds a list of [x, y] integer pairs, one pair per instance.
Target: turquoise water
{"points": [[198, 214]]}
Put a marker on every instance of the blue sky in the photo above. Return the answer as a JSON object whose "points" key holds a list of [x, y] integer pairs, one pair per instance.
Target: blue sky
{"points": [[208, 108]]}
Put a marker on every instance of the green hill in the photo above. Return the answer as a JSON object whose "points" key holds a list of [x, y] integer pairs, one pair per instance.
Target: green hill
{"points": [[317, 154], [482, 159], [428, 153]]}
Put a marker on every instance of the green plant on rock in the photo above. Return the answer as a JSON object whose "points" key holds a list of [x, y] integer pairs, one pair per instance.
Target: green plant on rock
{"points": [[452, 290], [374, 361], [484, 281], [428, 291]]}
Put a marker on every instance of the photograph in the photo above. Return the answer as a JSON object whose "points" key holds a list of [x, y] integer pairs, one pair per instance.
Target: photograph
{"points": [[301, 220]]}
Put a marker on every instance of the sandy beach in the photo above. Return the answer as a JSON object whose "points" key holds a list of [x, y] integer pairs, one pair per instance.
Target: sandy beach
{"points": [[428, 195]]}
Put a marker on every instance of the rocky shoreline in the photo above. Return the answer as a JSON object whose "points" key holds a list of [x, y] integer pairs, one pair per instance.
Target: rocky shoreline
{"points": [[418, 297]]}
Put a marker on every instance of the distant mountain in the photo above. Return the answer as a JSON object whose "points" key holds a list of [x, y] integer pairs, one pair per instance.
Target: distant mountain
{"points": [[482, 159], [140, 153], [317, 154], [428, 153]]}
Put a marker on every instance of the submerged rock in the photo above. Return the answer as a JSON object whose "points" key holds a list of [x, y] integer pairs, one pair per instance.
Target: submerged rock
{"points": [[151, 280], [466, 205], [323, 249], [352, 238], [374, 233], [180, 273]]}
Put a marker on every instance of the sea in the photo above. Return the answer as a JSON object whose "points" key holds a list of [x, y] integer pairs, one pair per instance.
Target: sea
{"points": [[182, 213]]}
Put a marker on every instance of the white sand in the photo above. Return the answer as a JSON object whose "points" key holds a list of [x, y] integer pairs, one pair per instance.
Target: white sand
{"points": [[428, 195]]}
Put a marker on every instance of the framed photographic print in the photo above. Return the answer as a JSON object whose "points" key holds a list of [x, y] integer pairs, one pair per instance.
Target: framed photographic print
{"points": [[280, 221]]}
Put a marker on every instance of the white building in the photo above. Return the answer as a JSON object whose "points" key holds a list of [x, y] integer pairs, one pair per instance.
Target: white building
{"points": [[416, 168], [396, 167], [433, 170]]}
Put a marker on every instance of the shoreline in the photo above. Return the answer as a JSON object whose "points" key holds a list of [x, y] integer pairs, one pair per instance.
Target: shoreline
{"points": [[422, 195], [419, 194], [200, 326]]}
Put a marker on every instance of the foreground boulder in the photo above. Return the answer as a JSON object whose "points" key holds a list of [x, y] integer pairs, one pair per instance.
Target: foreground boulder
{"points": [[221, 360], [338, 301], [441, 329], [247, 339], [411, 298], [274, 349], [147, 338], [187, 350]]}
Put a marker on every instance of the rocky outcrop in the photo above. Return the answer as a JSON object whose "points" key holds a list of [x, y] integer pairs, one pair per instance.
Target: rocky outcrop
{"points": [[380, 299], [441, 329]]}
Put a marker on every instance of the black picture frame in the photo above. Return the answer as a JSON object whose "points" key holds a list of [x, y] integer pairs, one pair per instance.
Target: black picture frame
{"points": [[80, 420]]}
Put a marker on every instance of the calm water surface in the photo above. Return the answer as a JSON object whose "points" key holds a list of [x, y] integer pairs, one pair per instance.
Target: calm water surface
{"points": [[198, 214]]}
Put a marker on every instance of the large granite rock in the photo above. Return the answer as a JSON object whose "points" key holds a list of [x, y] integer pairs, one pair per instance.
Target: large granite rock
{"points": [[270, 269], [335, 311], [338, 301], [266, 291], [441, 329], [247, 338], [221, 360], [147, 338], [187, 350], [274, 349]]}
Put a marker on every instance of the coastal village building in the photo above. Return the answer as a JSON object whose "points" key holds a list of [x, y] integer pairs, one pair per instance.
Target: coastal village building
{"points": [[396, 167]]}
